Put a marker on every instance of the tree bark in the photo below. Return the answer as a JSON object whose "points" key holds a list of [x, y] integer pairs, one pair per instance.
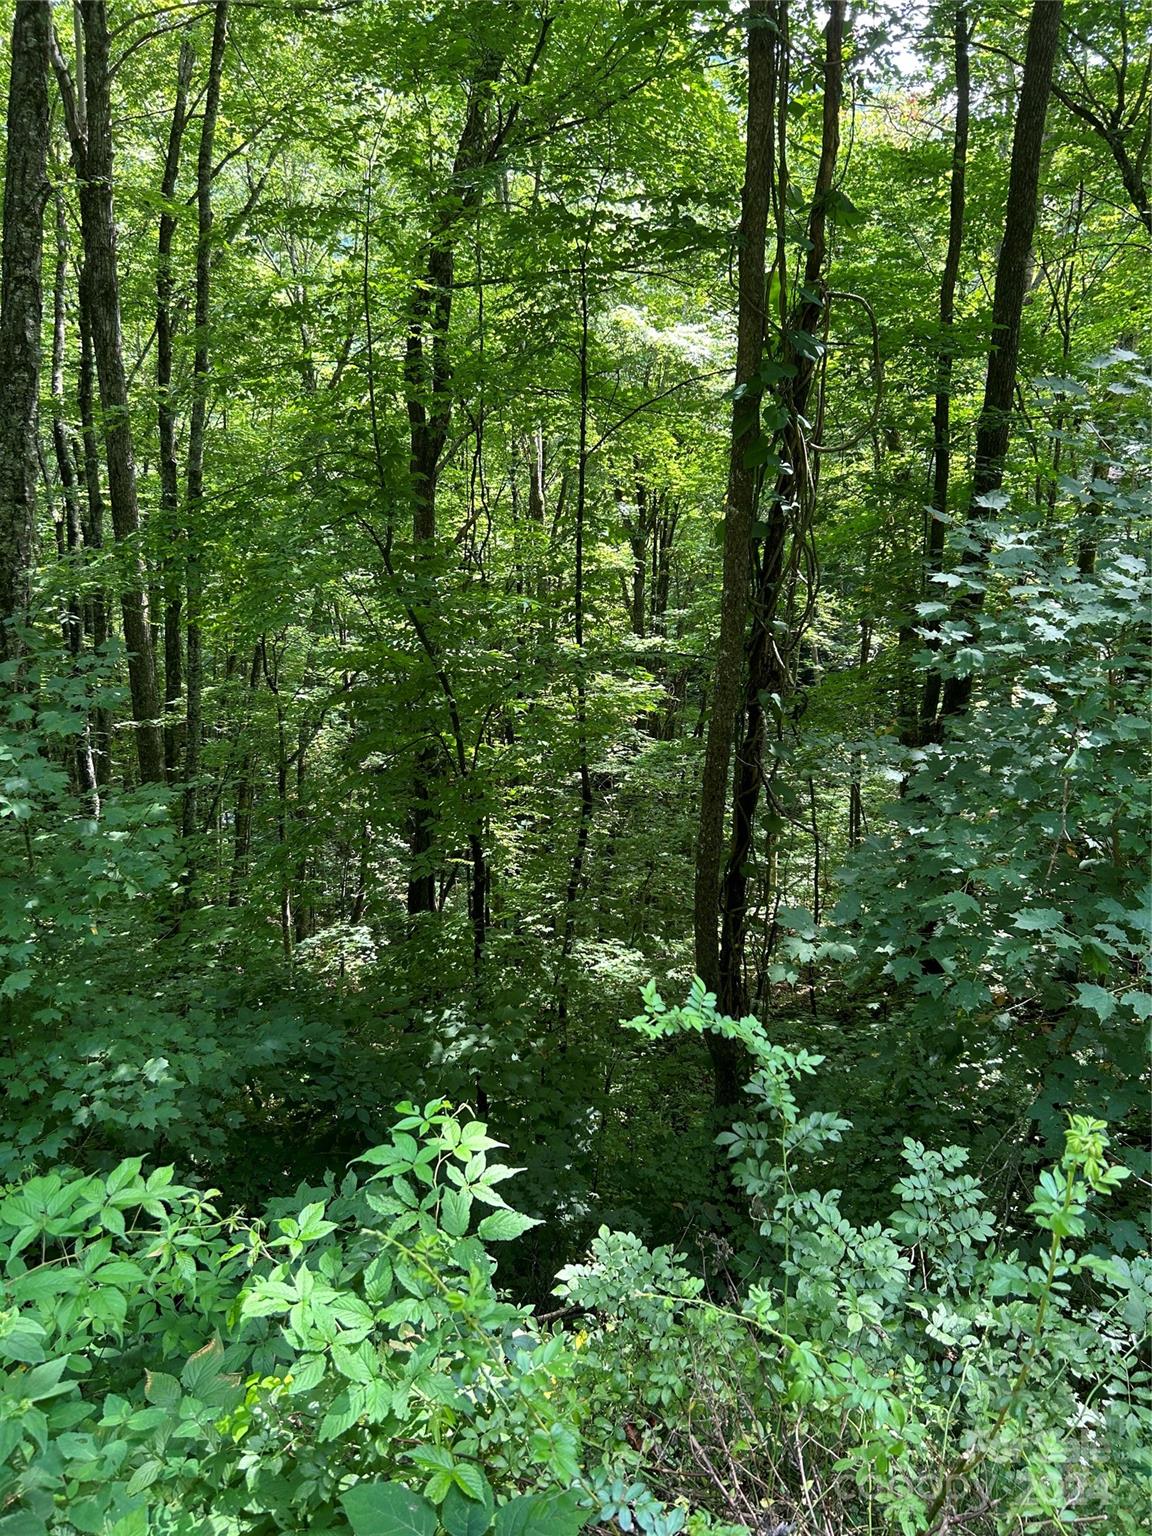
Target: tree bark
{"points": [[92, 524], [942, 416], [427, 381], [89, 121], [84, 757], [780, 549], [166, 416], [21, 308], [739, 514], [198, 419], [993, 427]]}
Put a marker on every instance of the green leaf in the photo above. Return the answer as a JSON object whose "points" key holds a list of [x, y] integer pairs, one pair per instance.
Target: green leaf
{"points": [[771, 372], [388, 1509], [462, 1514], [434, 1458], [455, 1209], [760, 452], [502, 1226], [202, 1368], [16, 981], [471, 1480], [437, 1486], [307, 1373], [22, 1523], [1099, 999], [1039, 920], [541, 1514], [840, 209]]}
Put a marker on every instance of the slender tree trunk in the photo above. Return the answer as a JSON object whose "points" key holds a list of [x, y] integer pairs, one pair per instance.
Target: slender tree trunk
{"points": [[242, 818], [166, 417], [302, 916], [782, 555], [92, 521], [942, 419], [89, 119], [428, 378], [62, 447], [21, 307], [759, 162], [84, 757], [992, 429], [360, 896], [584, 824], [194, 725]]}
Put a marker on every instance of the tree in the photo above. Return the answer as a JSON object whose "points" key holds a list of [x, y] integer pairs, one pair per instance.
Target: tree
{"points": [[937, 517], [21, 307], [205, 170], [762, 20], [994, 425], [88, 116]]}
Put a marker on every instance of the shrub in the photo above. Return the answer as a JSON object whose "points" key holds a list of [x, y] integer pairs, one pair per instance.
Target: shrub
{"points": [[911, 1375], [170, 1369]]}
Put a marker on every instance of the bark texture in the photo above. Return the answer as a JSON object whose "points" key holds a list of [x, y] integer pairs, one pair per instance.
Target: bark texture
{"points": [[942, 415], [739, 514], [993, 427], [428, 380], [89, 119], [198, 419], [21, 306], [166, 415]]}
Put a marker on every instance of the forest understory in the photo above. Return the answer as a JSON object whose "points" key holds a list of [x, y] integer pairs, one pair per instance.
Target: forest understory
{"points": [[574, 767]]}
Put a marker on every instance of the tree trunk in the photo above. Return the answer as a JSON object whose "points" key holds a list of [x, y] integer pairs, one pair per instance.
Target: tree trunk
{"points": [[84, 757], [92, 522], [194, 727], [427, 381], [992, 429], [166, 417], [90, 132], [242, 817], [782, 552], [584, 824], [759, 161], [942, 419], [21, 308]]}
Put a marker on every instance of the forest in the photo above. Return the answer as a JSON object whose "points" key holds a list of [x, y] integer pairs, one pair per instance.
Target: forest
{"points": [[574, 767]]}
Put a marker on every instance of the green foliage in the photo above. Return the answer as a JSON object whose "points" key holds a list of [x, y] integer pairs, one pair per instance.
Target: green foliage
{"points": [[347, 1362], [171, 1369], [519, 223], [905, 1375]]}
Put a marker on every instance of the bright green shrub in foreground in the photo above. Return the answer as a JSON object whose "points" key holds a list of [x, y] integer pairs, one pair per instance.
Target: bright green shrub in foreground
{"points": [[348, 1365], [168, 1370]]}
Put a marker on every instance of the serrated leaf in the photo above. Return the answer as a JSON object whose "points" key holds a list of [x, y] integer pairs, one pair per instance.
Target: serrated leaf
{"points": [[22, 1523], [161, 1389], [503, 1225], [1039, 920], [437, 1486], [1099, 999], [307, 1373], [471, 1480], [434, 1458], [455, 1210], [464, 1515]]}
